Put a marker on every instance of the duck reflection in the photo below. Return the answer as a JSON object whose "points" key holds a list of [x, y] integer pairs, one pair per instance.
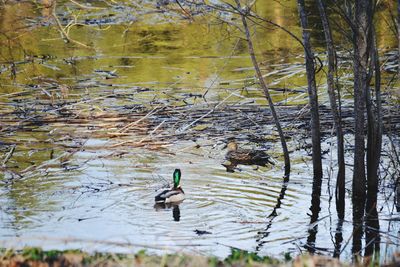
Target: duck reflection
{"points": [[176, 212]]}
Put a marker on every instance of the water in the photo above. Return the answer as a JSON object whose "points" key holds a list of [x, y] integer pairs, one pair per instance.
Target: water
{"points": [[96, 193], [108, 205], [113, 200]]}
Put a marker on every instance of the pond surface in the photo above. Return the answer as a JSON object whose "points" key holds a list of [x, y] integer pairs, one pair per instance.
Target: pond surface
{"points": [[93, 141]]}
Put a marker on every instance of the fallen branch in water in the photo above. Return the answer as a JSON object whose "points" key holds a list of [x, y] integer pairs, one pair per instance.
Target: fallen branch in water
{"points": [[9, 155]]}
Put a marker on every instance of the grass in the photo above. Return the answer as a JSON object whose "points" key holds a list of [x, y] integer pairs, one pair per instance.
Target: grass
{"points": [[37, 257], [33, 256]]}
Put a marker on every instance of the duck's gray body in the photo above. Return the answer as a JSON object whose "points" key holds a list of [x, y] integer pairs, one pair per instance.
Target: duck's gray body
{"points": [[170, 196]]}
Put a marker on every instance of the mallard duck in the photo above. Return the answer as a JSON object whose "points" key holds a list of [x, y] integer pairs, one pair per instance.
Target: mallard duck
{"points": [[237, 156], [173, 195]]}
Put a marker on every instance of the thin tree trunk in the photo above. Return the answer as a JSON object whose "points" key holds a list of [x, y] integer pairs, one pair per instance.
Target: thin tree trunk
{"points": [[265, 89], [361, 58], [340, 182], [374, 147], [398, 77], [374, 143], [312, 93]]}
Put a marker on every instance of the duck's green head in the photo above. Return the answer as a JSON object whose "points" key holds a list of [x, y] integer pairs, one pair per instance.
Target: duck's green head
{"points": [[177, 177]]}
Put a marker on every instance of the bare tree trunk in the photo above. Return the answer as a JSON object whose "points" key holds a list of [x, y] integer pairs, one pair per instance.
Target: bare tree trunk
{"points": [[361, 35], [312, 93], [340, 182], [361, 42], [398, 77], [374, 147], [374, 143], [265, 89]]}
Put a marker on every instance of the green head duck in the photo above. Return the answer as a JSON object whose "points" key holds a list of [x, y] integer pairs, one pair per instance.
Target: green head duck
{"points": [[177, 178], [172, 195]]}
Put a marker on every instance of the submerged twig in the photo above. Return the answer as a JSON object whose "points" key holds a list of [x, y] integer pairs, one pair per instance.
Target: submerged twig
{"points": [[9, 155]]}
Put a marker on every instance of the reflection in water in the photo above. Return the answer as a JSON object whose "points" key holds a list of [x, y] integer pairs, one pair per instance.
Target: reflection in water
{"points": [[315, 209], [398, 195], [338, 239], [358, 213], [22, 201], [176, 212], [264, 234], [372, 237]]}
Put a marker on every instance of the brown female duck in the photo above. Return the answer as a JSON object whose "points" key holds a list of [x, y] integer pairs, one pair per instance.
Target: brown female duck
{"points": [[238, 156]]}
